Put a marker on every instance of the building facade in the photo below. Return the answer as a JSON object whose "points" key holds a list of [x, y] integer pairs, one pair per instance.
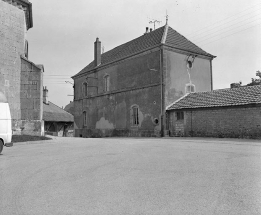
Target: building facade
{"points": [[57, 121], [20, 79], [234, 113], [125, 91]]}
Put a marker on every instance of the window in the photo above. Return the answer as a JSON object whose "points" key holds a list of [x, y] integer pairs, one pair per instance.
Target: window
{"points": [[84, 118], [85, 89], [106, 80], [135, 115], [180, 115], [190, 88], [26, 49]]}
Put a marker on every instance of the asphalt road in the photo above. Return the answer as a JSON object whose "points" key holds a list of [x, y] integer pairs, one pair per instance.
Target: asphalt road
{"points": [[131, 176]]}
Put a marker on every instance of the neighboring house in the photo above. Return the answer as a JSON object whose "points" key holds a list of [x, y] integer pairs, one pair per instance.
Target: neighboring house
{"points": [[125, 91], [57, 121], [219, 113], [20, 79]]}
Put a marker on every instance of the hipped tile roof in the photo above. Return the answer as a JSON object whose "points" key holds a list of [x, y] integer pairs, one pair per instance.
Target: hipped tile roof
{"points": [[53, 113], [145, 42], [219, 98]]}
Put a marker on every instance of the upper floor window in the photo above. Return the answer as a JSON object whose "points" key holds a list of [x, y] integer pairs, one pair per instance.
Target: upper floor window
{"points": [[26, 49], [135, 115], [190, 88], [106, 80], [84, 118], [85, 89]]}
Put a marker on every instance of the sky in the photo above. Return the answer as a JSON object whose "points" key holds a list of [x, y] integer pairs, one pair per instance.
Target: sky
{"points": [[63, 35]]}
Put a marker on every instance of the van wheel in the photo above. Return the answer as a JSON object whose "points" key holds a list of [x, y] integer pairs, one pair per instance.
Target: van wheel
{"points": [[1, 146]]}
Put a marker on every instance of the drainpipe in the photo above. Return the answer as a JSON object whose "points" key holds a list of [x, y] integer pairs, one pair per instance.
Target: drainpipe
{"points": [[162, 93], [211, 75], [191, 124]]}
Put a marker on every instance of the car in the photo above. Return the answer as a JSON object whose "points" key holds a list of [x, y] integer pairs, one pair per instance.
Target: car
{"points": [[5, 123]]}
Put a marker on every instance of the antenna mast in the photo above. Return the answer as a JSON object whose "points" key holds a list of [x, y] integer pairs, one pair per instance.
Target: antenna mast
{"points": [[167, 17]]}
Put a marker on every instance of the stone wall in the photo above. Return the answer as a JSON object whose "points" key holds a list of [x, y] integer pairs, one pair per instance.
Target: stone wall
{"points": [[134, 81], [31, 98], [233, 122], [12, 41]]}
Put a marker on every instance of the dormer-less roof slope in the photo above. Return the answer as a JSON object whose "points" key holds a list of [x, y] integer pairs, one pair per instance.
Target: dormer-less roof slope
{"points": [[146, 42], [219, 98], [53, 113]]}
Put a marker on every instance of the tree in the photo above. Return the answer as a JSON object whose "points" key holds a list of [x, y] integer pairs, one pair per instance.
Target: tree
{"points": [[256, 81]]}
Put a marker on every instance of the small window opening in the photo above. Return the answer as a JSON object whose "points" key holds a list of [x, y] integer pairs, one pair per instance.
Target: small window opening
{"points": [[84, 118], [135, 115], [180, 115], [190, 88], [106, 80], [156, 121], [85, 89]]}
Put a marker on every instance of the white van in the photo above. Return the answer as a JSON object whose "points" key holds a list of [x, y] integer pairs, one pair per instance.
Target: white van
{"points": [[5, 123]]}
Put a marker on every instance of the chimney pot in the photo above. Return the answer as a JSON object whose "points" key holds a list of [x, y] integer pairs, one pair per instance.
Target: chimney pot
{"points": [[150, 29], [147, 30]]}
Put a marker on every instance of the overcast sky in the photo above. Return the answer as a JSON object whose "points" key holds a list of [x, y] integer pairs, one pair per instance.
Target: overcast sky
{"points": [[64, 32]]}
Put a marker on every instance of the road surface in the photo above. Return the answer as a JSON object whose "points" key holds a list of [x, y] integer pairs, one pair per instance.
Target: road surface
{"points": [[131, 176]]}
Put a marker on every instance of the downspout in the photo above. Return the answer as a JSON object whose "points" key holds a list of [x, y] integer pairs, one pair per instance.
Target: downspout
{"points": [[211, 75], [162, 92], [191, 129], [163, 117]]}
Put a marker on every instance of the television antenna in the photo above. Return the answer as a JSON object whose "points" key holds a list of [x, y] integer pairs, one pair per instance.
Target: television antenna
{"points": [[154, 21]]}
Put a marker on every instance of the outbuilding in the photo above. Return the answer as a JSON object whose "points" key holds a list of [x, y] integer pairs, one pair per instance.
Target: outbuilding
{"points": [[234, 113]]}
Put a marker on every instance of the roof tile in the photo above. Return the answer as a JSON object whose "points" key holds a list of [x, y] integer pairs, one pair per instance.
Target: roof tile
{"points": [[144, 42], [53, 113], [218, 98]]}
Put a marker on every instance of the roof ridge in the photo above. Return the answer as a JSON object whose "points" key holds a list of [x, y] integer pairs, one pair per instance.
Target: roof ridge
{"points": [[165, 33]]}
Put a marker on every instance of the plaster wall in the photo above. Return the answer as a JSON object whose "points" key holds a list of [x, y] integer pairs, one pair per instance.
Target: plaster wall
{"points": [[177, 75]]}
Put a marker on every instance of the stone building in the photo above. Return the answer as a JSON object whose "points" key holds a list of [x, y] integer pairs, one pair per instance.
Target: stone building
{"points": [[20, 79], [57, 121], [232, 113], [125, 91]]}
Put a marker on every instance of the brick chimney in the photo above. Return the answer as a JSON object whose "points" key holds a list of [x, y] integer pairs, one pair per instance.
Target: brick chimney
{"points": [[97, 52], [45, 95]]}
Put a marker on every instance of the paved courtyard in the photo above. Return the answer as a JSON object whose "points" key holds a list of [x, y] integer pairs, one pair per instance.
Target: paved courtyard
{"points": [[131, 176]]}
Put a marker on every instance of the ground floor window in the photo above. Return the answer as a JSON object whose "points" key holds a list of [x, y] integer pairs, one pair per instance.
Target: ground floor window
{"points": [[84, 118], [135, 115], [180, 115]]}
